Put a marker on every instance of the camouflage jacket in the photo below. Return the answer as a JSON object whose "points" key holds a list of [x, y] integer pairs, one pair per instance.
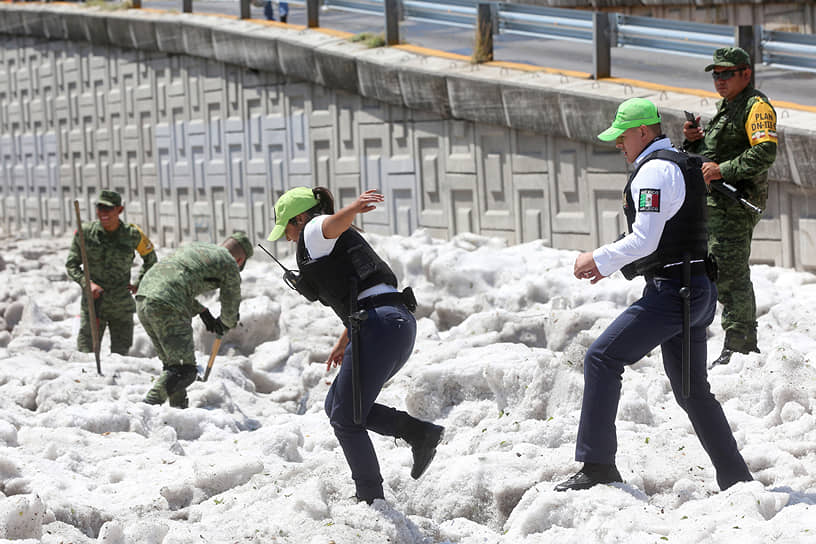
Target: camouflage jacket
{"points": [[110, 257], [741, 138], [192, 270]]}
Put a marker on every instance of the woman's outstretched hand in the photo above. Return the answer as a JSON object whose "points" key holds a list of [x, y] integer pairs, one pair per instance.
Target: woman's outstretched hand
{"points": [[337, 224], [366, 201]]}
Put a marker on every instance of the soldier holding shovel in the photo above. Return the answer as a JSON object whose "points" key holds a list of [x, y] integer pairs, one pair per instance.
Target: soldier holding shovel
{"points": [[166, 303]]}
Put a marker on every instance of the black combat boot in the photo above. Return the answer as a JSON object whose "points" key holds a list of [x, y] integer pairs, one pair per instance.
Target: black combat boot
{"points": [[422, 436], [423, 447], [724, 358], [178, 378], [591, 475]]}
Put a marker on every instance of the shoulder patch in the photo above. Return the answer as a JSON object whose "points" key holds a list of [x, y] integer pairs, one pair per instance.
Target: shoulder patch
{"points": [[649, 200], [145, 245], [760, 126]]}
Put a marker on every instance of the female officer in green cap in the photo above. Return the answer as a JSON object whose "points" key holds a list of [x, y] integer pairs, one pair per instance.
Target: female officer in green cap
{"points": [[337, 266]]}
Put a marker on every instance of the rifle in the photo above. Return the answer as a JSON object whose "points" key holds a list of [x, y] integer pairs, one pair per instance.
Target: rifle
{"points": [[88, 294], [734, 194], [721, 186]]}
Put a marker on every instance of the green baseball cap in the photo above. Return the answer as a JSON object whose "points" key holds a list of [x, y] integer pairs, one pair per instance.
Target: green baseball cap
{"points": [[729, 57], [290, 204], [631, 113], [109, 198]]}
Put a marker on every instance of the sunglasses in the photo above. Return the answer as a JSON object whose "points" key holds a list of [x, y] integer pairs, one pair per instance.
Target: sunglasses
{"points": [[725, 75], [104, 208]]}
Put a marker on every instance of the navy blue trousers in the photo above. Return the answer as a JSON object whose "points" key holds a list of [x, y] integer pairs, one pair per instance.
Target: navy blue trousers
{"points": [[386, 341], [657, 320]]}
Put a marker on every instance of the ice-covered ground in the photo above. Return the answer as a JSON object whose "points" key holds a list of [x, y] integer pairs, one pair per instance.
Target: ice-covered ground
{"points": [[498, 361]]}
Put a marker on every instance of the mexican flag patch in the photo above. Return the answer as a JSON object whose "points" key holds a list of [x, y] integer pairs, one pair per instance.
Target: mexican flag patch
{"points": [[649, 200]]}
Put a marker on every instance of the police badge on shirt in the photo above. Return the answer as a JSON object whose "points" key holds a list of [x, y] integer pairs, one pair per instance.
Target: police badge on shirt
{"points": [[649, 200]]}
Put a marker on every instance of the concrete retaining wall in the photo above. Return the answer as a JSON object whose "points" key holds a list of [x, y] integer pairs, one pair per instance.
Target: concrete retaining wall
{"points": [[203, 121]]}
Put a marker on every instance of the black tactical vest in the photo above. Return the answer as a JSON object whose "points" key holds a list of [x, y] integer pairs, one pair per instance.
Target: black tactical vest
{"points": [[685, 232], [330, 277]]}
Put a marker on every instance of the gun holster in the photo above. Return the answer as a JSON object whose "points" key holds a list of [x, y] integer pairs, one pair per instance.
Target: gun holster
{"points": [[409, 299]]}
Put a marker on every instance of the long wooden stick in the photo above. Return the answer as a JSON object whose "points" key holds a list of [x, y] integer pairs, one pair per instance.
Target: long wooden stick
{"points": [[215, 347], [88, 293]]}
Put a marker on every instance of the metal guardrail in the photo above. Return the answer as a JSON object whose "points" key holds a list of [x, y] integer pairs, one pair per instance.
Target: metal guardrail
{"points": [[785, 49], [604, 30], [541, 22], [788, 49], [461, 13], [670, 35], [375, 7]]}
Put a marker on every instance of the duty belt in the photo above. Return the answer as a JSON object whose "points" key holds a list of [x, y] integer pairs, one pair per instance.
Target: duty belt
{"points": [[675, 272], [406, 298]]}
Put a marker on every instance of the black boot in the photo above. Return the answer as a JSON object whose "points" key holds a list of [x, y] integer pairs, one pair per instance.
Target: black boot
{"points": [[590, 475], [724, 358], [424, 446], [369, 501], [422, 436]]}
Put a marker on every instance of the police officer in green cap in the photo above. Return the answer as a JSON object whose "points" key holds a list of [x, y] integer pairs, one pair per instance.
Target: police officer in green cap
{"points": [[110, 245], [664, 206], [741, 143], [166, 304]]}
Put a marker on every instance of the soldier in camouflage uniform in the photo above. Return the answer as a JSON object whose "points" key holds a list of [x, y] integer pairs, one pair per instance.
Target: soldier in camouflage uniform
{"points": [[166, 303], [741, 141], [110, 245]]}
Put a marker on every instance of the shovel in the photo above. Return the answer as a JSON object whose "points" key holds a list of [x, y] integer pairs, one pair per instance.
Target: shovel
{"points": [[215, 347]]}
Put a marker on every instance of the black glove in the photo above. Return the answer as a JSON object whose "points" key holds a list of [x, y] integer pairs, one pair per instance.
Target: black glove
{"points": [[220, 328], [212, 324]]}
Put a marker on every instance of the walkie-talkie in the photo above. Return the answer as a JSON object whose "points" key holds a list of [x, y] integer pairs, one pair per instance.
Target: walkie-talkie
{"points": [[691, 119]]}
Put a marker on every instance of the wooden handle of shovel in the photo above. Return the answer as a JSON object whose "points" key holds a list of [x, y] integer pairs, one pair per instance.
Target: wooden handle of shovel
{"points": [[215, 347]]}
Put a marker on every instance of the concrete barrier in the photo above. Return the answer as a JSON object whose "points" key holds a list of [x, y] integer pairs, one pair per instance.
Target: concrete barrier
{"points": [[322, 132]]}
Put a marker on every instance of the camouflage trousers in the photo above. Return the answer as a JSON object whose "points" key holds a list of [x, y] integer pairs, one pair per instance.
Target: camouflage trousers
{"points": [[730, 229], [172, 335], [120, 324]]}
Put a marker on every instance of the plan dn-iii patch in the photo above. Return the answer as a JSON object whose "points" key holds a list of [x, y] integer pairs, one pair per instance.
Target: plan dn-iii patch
{"points": [[649, 200]]}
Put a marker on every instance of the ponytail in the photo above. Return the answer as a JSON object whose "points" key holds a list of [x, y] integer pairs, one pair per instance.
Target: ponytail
{"points": [[325, 204], [325, 200]]}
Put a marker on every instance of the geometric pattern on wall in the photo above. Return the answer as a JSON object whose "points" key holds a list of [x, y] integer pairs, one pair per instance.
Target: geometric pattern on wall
{"points": [[199, 148]]}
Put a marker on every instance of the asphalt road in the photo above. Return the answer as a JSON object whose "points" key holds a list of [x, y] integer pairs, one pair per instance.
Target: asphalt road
{"points": [[674, 70]]}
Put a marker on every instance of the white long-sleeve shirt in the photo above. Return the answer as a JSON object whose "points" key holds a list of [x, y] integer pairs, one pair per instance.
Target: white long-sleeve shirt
{"points": [[658, 192]]}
